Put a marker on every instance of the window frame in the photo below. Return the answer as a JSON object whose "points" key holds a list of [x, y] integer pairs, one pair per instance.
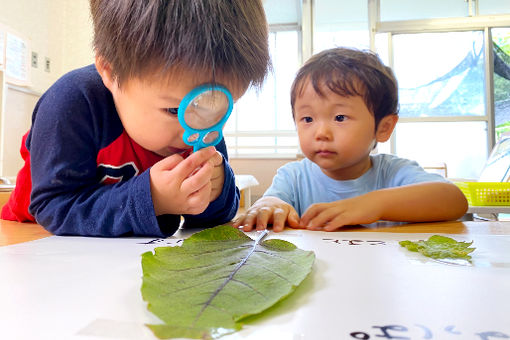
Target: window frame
{"points": [[444, 25], [305, 31]]}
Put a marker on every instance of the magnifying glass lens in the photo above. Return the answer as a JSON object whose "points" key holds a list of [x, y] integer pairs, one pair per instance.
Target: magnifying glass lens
{"points": [[193, 137], [210, 137], [206, 110]]}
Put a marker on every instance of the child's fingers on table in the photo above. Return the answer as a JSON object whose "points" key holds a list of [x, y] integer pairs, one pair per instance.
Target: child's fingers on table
{"points": [[333, 220], [309, 214], [350, 218], [333, 226], [263, 216], [279, 218], [249, 220], [238, 220], [321, 219], [293, 219], [248, 226]]}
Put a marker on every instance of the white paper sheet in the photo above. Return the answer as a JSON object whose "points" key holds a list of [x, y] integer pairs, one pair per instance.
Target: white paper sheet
{"points": [[363, 286]]}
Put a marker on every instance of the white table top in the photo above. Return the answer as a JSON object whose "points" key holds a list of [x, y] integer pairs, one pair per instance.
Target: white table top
{"points": [[363, 284]]}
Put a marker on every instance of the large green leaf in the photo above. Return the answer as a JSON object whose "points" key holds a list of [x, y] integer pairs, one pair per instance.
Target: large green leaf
{"points": [[218, 276]]}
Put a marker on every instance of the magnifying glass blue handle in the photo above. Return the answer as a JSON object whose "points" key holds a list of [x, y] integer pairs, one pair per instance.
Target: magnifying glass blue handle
{"points": [[198, 137]]}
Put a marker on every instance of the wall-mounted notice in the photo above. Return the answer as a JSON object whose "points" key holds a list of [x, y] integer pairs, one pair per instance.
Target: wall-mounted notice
{"points": [[17, 63]]}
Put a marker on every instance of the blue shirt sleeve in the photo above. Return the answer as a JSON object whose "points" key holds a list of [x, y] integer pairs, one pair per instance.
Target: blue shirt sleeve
{"points": [[400, 171], [66, 197]]}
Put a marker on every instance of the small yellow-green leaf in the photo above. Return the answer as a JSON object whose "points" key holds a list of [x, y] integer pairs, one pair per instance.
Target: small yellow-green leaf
{"points": [[218, 276], [441, 247]]}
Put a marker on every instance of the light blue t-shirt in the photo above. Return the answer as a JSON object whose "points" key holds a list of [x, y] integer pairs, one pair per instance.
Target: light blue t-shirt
{"points": [[302, 183]]}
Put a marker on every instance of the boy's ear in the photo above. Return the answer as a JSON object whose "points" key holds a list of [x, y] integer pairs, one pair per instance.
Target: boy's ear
{"points": [[385, 128], [105, 71]]}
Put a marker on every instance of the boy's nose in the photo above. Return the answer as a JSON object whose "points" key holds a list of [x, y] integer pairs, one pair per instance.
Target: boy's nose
{"points": [[181, 132], [323, 131]]}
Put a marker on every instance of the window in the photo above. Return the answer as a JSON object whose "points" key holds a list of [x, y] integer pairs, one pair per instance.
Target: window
{"points": [[440, 74], [444, 69], [393, 10], [454, 86], [261, 123], [340, 23], [462, 145], [501, 45], [488, 7], [442, 99]]}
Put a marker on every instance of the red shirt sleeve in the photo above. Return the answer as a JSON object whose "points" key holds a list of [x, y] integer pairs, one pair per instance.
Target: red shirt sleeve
{"points": [[16, 208]]}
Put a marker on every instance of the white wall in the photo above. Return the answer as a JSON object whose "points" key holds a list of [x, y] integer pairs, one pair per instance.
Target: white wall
{"points": [[263, 170], [58, 29]]}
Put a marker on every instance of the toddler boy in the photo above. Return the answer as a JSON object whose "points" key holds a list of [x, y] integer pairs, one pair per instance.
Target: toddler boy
{"points": [[344, 101]]}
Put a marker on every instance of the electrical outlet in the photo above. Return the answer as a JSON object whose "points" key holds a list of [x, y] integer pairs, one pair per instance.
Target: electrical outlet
{"points": [[47, 64], [34, 59]]}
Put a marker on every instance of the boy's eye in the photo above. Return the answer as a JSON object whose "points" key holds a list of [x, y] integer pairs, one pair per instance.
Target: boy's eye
{"points": [[172, 110], [339, 118], [307, 119]]}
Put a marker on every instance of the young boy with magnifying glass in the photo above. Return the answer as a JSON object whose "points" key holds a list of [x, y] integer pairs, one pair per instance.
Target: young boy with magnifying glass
{"points": [[105, 155]]}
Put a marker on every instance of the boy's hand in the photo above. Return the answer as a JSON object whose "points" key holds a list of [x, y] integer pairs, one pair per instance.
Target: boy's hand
{"points": [[218, 176], [183, 186], [266, 210], [331, 216]]}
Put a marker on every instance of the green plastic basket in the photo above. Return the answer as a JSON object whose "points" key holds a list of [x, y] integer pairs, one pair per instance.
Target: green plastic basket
{"points": [[486, 193]]}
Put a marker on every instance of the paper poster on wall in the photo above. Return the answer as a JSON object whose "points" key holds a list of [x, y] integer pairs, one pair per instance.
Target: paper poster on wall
{"points": [[17, 63]]}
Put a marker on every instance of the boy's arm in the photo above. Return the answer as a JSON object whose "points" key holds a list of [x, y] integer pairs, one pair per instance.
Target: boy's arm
{"points": [[225, 206], [119, 209], [92, 209], [67, 199], [422, 202]]}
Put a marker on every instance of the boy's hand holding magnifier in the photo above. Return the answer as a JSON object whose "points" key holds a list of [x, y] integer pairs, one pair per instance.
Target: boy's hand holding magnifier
{"points": [[202, 113]]}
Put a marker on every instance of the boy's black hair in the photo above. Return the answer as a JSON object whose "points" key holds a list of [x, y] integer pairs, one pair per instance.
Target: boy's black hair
{"points": [[351, 72], [140, 37]]}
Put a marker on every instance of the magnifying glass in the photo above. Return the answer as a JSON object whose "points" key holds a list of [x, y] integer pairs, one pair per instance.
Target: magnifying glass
{"points": [[202, 113]]}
